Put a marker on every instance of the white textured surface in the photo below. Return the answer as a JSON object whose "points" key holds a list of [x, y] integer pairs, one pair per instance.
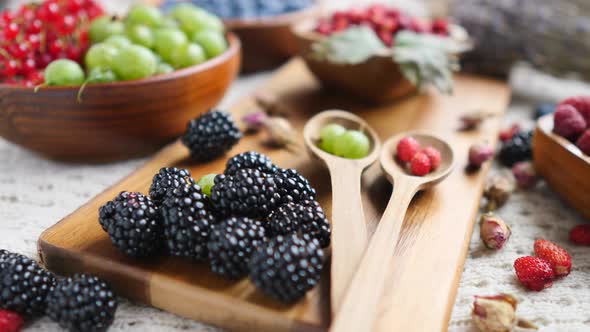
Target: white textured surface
{"points": [[35, 193]]}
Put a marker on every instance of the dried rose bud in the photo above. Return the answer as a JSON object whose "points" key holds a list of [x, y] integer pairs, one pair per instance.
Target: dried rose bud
{"points": [[498, 314], [473, 120], [494, 313], [494, 232], [525, 174], [280, 132], [498, 189], [479, 154], [254, 120]]}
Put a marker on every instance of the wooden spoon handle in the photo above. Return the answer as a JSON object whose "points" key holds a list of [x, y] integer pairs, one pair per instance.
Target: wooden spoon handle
{"points": [[349, 229], [360, 306]]}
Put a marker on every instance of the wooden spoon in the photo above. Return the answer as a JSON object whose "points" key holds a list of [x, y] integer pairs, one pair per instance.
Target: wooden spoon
{"points": [[360, 306], [349, 232]]}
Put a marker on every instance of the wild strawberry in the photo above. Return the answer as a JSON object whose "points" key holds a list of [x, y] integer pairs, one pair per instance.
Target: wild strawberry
{"points": [[420, 164], [584, 142], [580, 235], [407, 148], [10, 321], [434, 156], [581, 104], [568, 122], [534, 273], [558, 257]]}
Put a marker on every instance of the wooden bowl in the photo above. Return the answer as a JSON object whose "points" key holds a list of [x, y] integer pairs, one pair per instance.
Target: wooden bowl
{"points": [[565, 167], [268, 42], [377, 80], [116, 120]]}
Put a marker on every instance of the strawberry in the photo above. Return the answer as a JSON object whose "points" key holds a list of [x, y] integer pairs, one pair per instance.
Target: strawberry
{"points": [[420, 164], [434, 156], [407, 148], [10, 321], [534, 273], [580, 235], [558, 257]]}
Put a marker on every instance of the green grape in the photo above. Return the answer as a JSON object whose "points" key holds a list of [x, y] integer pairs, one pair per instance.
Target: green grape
{"points": [[97, 75], [182, 7], [206, 183], [213, 42], [104, 27], [164, 68], [144, 14], [169, 22], [167, 41], [188, 55], [141, 35], [353, 144], [134, 62], [194, 20], [64, 72], [118, 41], [329, 135], [100, 55]]}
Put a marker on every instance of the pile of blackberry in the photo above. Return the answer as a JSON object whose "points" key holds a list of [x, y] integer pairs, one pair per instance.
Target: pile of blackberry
{"points": [[211, 135], [255, 209], [80, 304], [518, 148]]}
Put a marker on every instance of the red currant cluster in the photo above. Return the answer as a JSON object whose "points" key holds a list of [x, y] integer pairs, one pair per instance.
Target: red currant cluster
{"points": [[38, 33], [385, 21]]}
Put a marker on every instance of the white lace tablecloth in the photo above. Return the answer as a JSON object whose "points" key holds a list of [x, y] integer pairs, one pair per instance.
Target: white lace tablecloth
{"points": [[35, 193]]}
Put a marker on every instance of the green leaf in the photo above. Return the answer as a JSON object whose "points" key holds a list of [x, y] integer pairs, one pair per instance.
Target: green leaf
{"points": [[427, 59], [352, 46]]}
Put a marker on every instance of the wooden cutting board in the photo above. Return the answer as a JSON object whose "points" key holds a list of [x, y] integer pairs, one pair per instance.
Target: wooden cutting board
{"points": [[424, 274]]}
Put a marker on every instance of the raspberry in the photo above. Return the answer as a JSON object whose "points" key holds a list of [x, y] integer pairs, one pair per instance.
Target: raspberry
{"points": [[534, 273], [10, 321], [507, 134], [581, 104], [580, 235], [568, 122], [558, 257], [407, 148], [434, 156], [420, 164], [584, 142]]}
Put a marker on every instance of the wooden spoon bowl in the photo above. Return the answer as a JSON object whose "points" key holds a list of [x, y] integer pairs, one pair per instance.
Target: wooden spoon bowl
{"points": [[116, 120], [349, 232]]}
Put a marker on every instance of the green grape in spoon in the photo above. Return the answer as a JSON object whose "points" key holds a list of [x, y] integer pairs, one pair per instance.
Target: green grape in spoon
{"points": [[353, 144], [329, 135]]}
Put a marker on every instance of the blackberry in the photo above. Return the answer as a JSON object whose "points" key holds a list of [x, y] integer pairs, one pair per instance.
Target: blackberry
{"points": [[306, 217], [82, 303], [211, 135], [231, 244], [168, 178], [248, 193], [293, 187], [250, 159], [517, 149], [187, 222], [134, 224], [24, 285], [287, 266]]}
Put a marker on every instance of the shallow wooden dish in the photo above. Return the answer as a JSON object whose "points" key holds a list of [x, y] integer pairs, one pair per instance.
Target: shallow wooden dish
{"points": [[116, 120], [268, 42], [378, 79], [565, 167], [433, 242]]}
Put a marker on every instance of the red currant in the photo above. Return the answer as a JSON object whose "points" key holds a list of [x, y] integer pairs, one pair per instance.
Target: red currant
{"points": [[28, 66], [11, 30], [56, 47], [10, 68]]}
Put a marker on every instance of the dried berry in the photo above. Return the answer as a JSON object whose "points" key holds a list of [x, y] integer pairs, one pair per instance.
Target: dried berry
{"points": [[525, 174], [494, 232], [473, 120], [407, 148], [534, 273], [559, 258], [498, 190], [580, 235], [568, 122], [479, 154]]}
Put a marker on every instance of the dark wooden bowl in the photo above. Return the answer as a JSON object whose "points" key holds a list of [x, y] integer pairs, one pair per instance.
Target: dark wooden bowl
{"points": [[117, 120], [565, 167], [376, 80], [268, 42]]}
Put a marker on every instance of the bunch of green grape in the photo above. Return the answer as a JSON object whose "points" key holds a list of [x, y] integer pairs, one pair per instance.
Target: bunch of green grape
{"points": [[144, 44], [346, 143]]}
